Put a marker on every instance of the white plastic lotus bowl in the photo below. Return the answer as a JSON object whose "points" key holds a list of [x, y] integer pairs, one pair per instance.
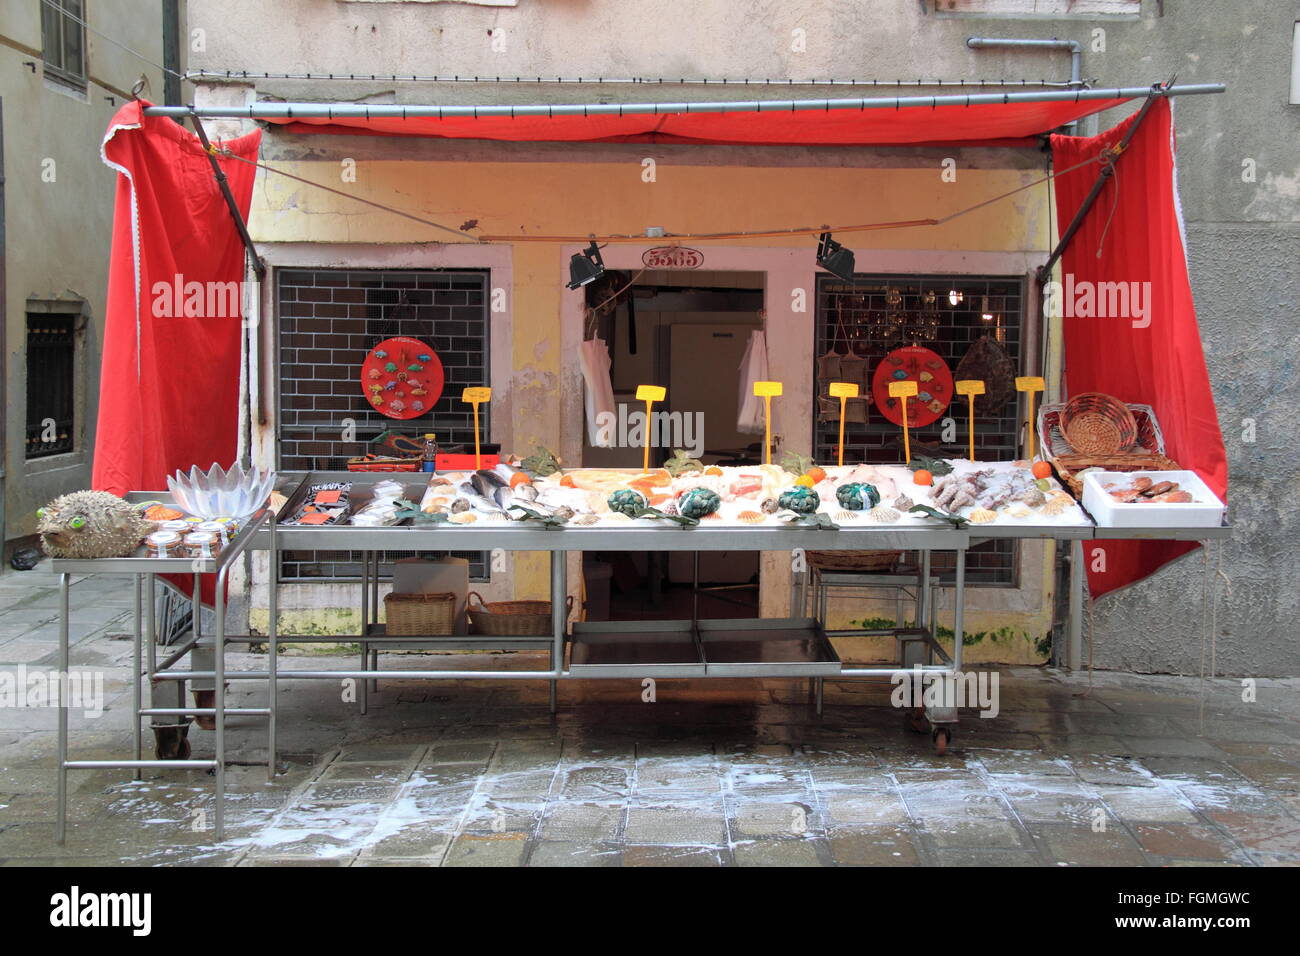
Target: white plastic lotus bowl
{"points": [[217, 493]]}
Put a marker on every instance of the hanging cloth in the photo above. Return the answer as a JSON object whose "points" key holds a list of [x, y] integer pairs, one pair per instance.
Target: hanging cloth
{"points": [[753, 368], [593, 355]]}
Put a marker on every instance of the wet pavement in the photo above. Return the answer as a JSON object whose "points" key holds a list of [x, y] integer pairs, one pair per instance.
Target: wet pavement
{"points": [[1118, 769]]}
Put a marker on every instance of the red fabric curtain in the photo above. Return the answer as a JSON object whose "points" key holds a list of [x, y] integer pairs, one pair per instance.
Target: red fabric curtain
{"points": [[996, 123], [169, 386], [169, 392], [1151, 352]]}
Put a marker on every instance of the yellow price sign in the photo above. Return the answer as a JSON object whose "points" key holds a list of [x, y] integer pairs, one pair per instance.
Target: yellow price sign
{"points": [[904, 390], [970, 387], [767, 391], [650, 393], [843, 391], [476, 395], [1030, 384]]}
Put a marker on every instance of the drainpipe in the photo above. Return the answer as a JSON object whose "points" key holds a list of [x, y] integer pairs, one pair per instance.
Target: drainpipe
{"points": [[1076, 55]]}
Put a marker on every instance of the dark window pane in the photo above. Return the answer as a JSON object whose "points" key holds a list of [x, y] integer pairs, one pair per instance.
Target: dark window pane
{"points": [[51, 353]]}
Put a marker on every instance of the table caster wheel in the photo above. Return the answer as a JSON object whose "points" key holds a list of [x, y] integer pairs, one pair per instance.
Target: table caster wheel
{"points": [[941, 737]]}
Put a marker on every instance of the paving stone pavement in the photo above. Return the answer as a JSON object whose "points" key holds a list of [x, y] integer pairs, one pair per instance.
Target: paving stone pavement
{"points": [[1118, 769]]}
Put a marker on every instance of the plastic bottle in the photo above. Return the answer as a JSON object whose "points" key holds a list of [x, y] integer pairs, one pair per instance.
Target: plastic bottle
{"points": [[430, 462]]}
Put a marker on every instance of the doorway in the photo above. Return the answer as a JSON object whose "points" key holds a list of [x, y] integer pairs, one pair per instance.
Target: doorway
{"points": [[686, 331]]}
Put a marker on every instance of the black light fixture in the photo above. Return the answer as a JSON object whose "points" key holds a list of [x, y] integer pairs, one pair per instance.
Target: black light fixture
{"points": [[585, 266], [834, 258]]}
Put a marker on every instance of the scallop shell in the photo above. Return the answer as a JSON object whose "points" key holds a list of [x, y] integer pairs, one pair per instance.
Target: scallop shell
{"points": [[586, 519], [464, 517], [882, 515], [903, 503], [845, 516], [1017, 511], [751, 517], [1057, 505], [617, 516], [496, 516], [981, 516]]}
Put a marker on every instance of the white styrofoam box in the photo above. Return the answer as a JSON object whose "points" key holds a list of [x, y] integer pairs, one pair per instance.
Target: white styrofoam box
{"points": [[1205, 510]]}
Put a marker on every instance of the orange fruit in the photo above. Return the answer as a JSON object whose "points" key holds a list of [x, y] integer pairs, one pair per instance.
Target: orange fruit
{"points": [[1042, 469], [804, 481], [713, 470], [519, 478], [817, 474], [566, 481], [922, 477]]}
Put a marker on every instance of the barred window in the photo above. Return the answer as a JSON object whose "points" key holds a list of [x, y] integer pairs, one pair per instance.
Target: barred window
{"points": [[63, 39]]}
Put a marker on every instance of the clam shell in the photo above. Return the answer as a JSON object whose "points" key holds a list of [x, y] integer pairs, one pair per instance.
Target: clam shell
{"points": [[586, 519], [1056, 506], [751, 517], [981, 516], [845, 516], [464, 517], [882, 515]]}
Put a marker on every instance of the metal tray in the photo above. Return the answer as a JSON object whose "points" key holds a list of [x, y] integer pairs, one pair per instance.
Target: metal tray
{"points": [[635, 649], [766, 647]]}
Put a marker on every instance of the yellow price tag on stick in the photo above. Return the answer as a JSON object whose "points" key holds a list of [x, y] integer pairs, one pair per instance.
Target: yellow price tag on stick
{"points": [[649, 394], [970, 387], [903, 391], [766, 391], [476, 396], [1030, 384], [843, 391]]}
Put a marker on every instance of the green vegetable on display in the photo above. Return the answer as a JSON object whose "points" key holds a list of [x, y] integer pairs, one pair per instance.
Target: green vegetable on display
{"points": [[796, 464], [681, 463], [935, 466], [540, 464]]}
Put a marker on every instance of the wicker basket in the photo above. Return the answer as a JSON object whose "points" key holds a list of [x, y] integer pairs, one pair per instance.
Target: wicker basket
{"points": [[1098, 424], [1146, 454], [418, 614], [513, 618], [879, 561]]}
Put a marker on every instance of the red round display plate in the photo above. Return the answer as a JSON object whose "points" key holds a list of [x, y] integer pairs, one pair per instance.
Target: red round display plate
{"points": [[402, 377], [933, 379]]}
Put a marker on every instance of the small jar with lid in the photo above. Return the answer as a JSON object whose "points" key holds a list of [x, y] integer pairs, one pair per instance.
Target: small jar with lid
{"points": [[216, 528], [162, 544], [201, 544]]}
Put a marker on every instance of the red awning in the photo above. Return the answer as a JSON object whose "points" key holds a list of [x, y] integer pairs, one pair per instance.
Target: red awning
{"points": [[1010, 123]]}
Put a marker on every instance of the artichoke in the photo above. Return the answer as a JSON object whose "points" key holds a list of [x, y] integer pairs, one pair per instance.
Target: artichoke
{"points": [[627, 501], [698, 502], [799, 499], [857, 496]]}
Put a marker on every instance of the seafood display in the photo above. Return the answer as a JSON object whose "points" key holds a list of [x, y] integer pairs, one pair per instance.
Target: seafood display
{"points": [[1144, 489]]}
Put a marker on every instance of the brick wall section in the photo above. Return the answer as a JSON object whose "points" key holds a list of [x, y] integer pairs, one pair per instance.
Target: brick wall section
{"points": [[328, 320], [879, 440]]}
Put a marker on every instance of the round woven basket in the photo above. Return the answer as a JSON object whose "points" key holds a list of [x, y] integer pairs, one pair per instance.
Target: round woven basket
{"points": [[512, 618], [1098, 424]]}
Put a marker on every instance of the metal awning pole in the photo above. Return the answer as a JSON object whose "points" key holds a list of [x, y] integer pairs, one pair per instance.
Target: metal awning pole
{"points": [[293, 111], [224, 185], [1107, 171]]}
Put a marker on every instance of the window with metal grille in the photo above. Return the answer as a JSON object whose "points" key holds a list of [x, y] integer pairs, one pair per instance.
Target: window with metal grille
{"points": [[51, 361], [63, 39], [329, 320], [947, 314]]}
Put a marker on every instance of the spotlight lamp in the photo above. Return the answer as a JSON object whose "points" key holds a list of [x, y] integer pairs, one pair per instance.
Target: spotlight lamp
{"points": [[585, 266], [834, 258]]}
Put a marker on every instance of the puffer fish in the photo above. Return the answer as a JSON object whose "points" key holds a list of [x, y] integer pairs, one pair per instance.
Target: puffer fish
{"points": [[90, 524]]}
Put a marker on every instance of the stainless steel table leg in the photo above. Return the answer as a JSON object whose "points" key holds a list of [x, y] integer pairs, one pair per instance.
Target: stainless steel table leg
{"points": [[367, 605], [959, 608], [559, 615], [219, 661], [61, 824], [273, 647], [1074, 655], [137, 666]]}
